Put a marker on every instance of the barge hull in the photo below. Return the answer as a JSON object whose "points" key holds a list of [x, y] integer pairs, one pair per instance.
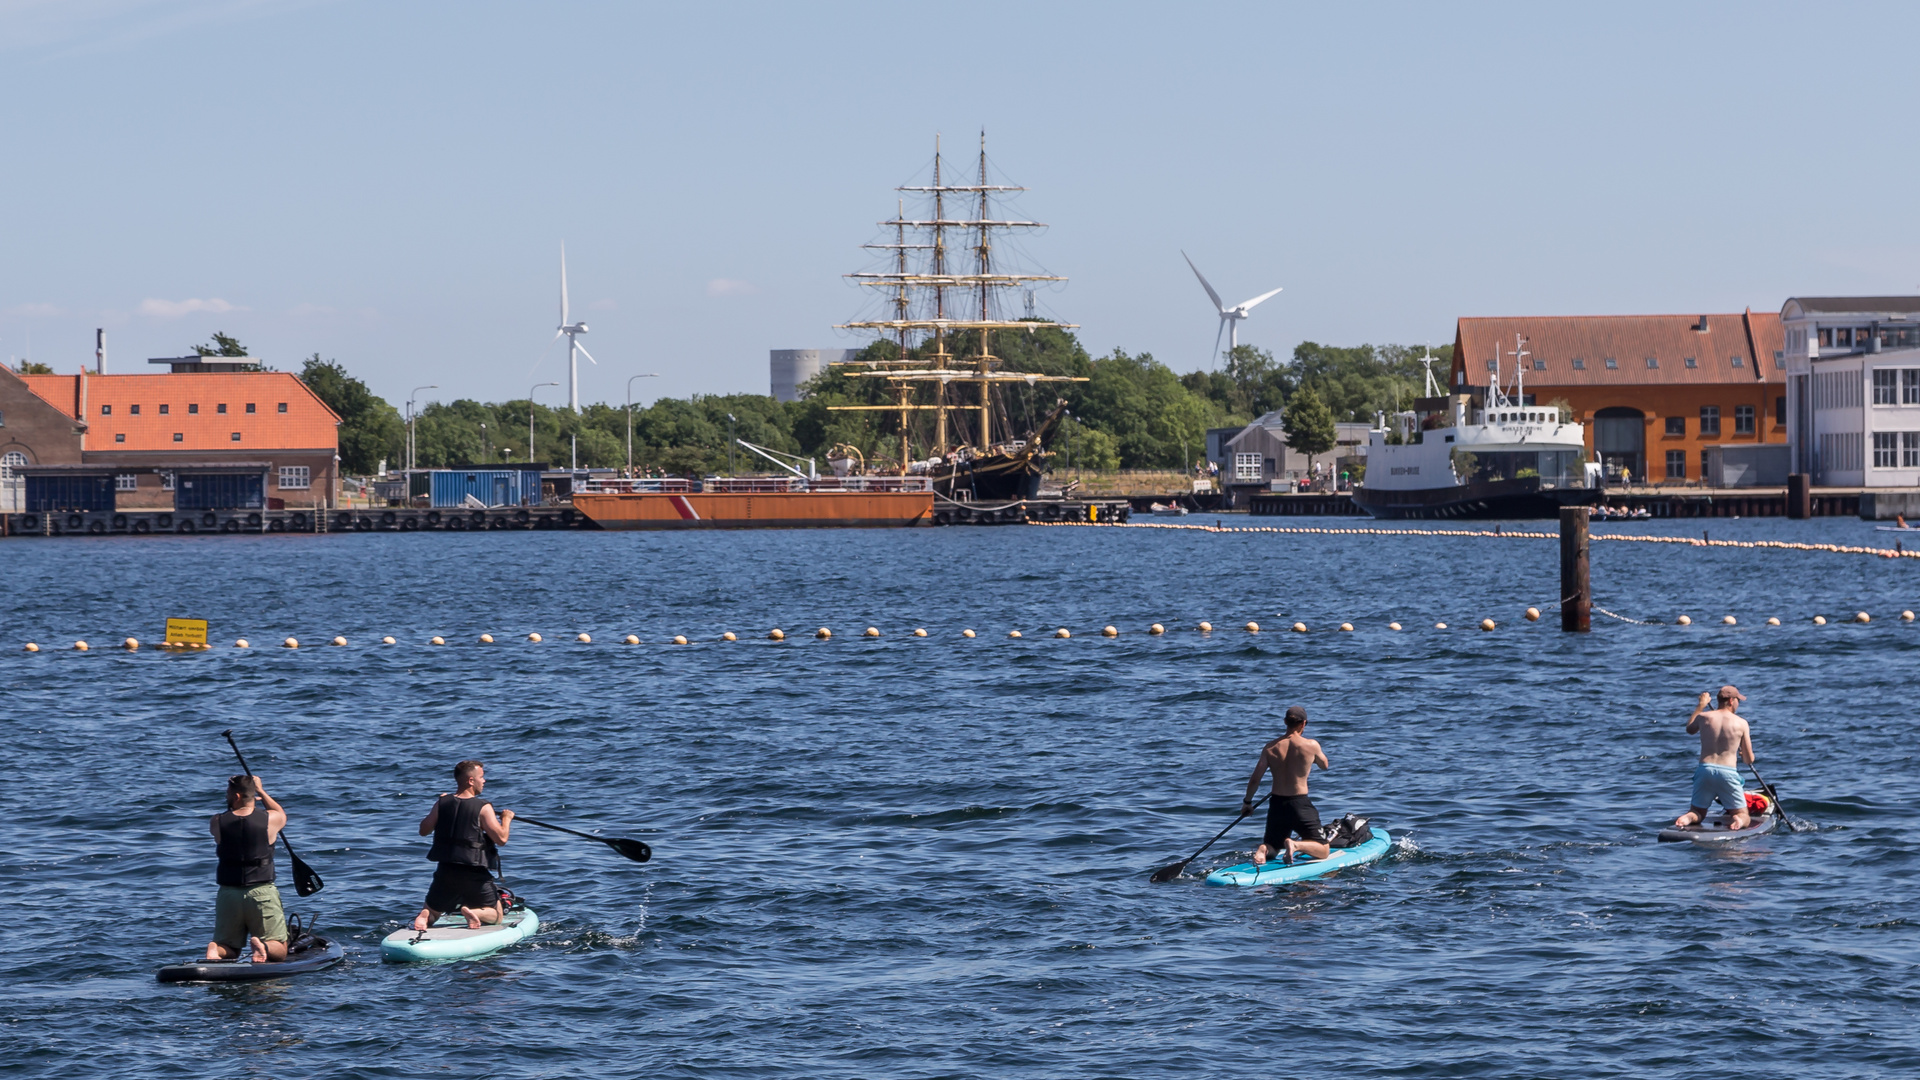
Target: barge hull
{"points": [[759, 510], [1491, 499]]}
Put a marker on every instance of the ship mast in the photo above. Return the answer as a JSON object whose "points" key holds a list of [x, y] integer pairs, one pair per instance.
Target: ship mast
{"points": [[935, 367]]}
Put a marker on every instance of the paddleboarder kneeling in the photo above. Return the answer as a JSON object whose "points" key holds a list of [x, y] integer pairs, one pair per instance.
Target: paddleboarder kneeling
{"points": [[247, 912], [464, 830], [1724, 737], [1291, 757]]}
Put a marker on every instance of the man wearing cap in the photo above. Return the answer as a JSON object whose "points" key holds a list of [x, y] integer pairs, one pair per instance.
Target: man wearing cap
{"points": [[1291, 757], [1724, 738]]}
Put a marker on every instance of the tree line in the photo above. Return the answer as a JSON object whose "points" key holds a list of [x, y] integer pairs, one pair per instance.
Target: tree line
{"points": [[1132, 412]]}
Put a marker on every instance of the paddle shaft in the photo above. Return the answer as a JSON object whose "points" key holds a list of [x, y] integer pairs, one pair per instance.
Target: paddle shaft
{"points": [[300, 869], [1182, 864], [1771, 794], [639, 852]]}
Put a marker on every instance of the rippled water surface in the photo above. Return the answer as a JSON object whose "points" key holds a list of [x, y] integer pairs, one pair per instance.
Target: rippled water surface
{"points": [[928, 857]]}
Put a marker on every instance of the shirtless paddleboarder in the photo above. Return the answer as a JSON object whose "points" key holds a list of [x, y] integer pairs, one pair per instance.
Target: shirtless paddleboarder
{"points": [[1291, 757], [1724, 737]]}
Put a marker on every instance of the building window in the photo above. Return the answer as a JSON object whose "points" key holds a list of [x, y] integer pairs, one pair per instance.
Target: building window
{"points": [[249, 406], [106, 410], [283, 406], [1612, 363], [177, 437], [1676, 464], [1884, 382], [1910, 449], [1826, 337], [300, 477], [166, 481], [1676, 425], [134, 409], [10, 461], [163, 410], [1245, 467], [1884, 444], [1736, 361], [1653, 362], [1910, 386], [1690, 362], [1539, 364], [1780, 358], [221, 408], [126, 482], [236, 436], [1779, 410], [193, 409], [119, 436], [1709, 419], [1743, 419], [1579, 363], [1493, 365], [1706, 467]]}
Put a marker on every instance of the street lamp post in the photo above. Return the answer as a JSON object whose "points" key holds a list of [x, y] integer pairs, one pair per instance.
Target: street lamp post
{"points": [[413, 444], [536, 386], [648, 375], [486, 449]]}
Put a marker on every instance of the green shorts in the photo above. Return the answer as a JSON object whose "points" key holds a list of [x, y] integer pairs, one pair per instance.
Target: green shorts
{"points": [[250, 912]]}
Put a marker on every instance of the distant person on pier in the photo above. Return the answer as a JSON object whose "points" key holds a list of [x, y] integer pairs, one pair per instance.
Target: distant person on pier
{"points": [[247, 911], [1724, 736], [1291, 757], [465, 831]]}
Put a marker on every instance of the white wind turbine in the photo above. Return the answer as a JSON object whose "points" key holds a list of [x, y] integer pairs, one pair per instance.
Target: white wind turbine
{"points": [[1229, 316], [572, 332]]}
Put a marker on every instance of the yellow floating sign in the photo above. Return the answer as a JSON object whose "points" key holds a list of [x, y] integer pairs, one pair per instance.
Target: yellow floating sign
{"points": [[186, 632]]}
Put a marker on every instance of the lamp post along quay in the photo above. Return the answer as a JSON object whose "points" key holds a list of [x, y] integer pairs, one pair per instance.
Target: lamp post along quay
{"points": [[648, 375], [413, 442], [536, 386]]}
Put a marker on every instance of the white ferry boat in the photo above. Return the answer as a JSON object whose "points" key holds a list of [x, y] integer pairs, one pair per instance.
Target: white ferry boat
{"points": [[1504, 459]]}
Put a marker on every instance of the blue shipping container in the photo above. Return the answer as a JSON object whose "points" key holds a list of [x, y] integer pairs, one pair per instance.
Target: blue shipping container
{"points": [[219, 491], [494, 487], [60, 494]]}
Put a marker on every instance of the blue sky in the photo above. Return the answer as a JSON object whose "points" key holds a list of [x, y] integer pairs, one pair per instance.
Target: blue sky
{"points": [[389, 184]]}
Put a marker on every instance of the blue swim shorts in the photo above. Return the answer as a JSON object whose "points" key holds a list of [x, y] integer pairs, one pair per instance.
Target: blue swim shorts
{"points": [[1712, 782]]}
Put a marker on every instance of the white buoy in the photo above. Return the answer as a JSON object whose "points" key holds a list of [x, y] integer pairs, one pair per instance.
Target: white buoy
{"points": [[1773, 621], [1109, 631], [1062, 632], [535, 638], [776, 635], [1819, 620], [920, 632], [485, 639], [388, 640], [132, 644], [1016, 633], [1684, 620], [1206, 628], [584, 639], [1439, 626], [823, 633], [31, 647], [80, 646], [679, 639], [1487, 624], [1156, 628], [339, 641], [1346, 628], [1533, 614], [291, 643], [1861, 616], [728, 636], [1906, 616], [1730, 620], [240, 644], [632, 639], [966, 633], [434, 641], [873, 631]]}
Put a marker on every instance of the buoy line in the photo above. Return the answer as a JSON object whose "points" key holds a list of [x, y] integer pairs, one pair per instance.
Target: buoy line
{"points": [[1303, 530]]}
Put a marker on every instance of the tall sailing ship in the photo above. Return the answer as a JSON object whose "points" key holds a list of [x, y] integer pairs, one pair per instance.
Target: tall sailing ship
{"points": [[954, 420]]}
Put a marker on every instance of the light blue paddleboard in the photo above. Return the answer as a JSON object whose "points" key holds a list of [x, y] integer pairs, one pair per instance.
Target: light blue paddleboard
{"points": [[449, 939], [1304, 868]]}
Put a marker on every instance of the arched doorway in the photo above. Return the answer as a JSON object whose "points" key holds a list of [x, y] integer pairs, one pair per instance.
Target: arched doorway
{"points": [[1620, 441]]}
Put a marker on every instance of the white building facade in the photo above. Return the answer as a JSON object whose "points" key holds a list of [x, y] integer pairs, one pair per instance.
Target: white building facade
{"points": [[1853, 389]]}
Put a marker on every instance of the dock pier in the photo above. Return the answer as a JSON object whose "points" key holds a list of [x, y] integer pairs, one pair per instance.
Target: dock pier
{"points": [[312, 520]]}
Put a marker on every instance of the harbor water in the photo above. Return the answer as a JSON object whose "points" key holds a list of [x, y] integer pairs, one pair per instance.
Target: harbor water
{"points": [[928, 857]]}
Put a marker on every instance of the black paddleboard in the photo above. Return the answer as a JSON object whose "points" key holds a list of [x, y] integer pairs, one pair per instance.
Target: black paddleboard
{"points": [[312, 954]]}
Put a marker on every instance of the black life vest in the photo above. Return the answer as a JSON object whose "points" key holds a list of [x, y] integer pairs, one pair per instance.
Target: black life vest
{"points": [[246, 855], [458, 836]]}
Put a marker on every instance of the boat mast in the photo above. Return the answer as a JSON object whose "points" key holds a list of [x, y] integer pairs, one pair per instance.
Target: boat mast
{"points": [[983, 258]]}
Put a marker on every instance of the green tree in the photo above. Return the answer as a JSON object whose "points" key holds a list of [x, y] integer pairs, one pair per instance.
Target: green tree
{"points": [[223, 345], [1087, 449], [370, 429], [31, 367], [1308, 424]]}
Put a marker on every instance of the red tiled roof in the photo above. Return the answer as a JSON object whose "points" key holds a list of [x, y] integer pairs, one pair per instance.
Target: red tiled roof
{"points": [[1558, 340], [306, 425]]}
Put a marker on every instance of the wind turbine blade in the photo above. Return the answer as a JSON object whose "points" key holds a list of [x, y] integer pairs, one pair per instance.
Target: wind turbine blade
{"points": [[585, 353], [1216, 342], [542, 358], [563, 283], [1203, 283], [1248, 306]]}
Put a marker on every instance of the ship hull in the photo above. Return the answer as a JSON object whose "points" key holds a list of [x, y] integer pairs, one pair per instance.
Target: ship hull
{"points": [[757, 510], [991, 478], [1488, 499]]}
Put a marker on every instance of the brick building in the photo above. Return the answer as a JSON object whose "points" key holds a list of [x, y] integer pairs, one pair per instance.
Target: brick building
{"points": [[263, 432], [1662, 396]]}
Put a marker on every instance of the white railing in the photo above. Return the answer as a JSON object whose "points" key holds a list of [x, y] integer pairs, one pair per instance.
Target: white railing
{"points": [[754, 485]]}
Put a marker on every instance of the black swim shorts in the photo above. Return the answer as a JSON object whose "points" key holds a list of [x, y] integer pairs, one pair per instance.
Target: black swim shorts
{"points": [[1289, 814], [456, 886]]}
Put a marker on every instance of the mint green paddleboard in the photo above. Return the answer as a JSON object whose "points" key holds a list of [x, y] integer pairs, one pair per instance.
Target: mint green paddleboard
{"points": [[449, 938]]}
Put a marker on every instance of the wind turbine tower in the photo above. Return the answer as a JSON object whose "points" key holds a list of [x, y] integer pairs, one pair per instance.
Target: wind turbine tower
{"points": [[572, 332], [1229, 316]]}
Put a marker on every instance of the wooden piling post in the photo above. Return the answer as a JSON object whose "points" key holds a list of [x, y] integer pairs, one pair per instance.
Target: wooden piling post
{"points": [[1576, 598], [1799, 496]]}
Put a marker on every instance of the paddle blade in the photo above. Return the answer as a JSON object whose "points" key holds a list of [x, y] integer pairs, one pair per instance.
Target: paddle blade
{"points": [[1168, 873], [305, 881], [636, 850]]}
